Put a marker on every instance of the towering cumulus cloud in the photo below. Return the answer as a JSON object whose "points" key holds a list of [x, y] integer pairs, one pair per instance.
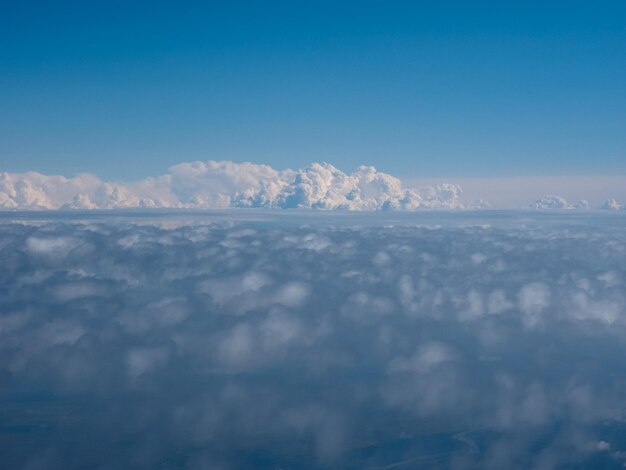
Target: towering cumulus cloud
{"points": [[226, 184], [550, 201]]}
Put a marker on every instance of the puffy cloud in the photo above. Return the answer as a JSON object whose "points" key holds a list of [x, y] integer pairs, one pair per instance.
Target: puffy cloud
{"points": [[550, 201], [611, 204], [582, 204], [226, 184], [463, 341]]}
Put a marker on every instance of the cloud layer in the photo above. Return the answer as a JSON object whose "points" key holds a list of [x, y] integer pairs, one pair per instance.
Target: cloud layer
{"points": [[277, 345], [226, 184], [514, 192]]}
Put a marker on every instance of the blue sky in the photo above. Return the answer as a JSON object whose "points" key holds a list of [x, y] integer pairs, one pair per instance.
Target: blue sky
{"points": [[418, 89]]}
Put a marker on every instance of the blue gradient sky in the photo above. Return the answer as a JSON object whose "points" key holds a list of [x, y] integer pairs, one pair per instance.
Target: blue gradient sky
{"points": [[418, 89]]}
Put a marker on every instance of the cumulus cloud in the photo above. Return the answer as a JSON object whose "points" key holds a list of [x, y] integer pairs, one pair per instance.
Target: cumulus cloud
{"points": [[223, 184], [454, 341], [612, 204], [550, 201]]}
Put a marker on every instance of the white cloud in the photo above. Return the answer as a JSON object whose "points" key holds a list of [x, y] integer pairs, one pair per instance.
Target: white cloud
{"points": [[56, 247], [221, 184], [611, 204], [514, 192], [585, 308], [550, 201], [292, 294], [226, 184]]}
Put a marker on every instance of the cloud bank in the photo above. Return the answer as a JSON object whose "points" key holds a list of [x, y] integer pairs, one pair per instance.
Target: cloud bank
{"points": [[275, 345], [226, 184], [550, 201], [516, 192], [553, 202]]}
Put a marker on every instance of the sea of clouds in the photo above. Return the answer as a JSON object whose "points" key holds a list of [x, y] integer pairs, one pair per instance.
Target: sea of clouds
{"points": [[313, 342]]}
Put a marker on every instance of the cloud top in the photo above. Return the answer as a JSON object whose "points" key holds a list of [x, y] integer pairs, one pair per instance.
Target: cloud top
{"points": [[239, 343], [226, 184], [222, 184]]}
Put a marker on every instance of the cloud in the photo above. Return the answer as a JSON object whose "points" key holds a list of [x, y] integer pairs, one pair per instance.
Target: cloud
{"points": [[516, 192], [612, 204], [550, 201], [235, 342], [428, 356], [533, 298], [223, 184]]}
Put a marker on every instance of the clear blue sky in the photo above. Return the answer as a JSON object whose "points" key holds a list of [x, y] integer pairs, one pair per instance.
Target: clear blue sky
{"points": [[418, 89]]}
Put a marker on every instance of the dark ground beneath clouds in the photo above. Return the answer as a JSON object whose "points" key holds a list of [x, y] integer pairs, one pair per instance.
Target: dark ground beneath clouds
{"points": [[313, 342]]}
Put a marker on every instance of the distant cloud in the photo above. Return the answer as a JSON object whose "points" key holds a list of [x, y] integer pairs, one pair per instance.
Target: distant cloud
{"points": [[550, 201], [516, 192], [226, 184], [612, 204]]}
